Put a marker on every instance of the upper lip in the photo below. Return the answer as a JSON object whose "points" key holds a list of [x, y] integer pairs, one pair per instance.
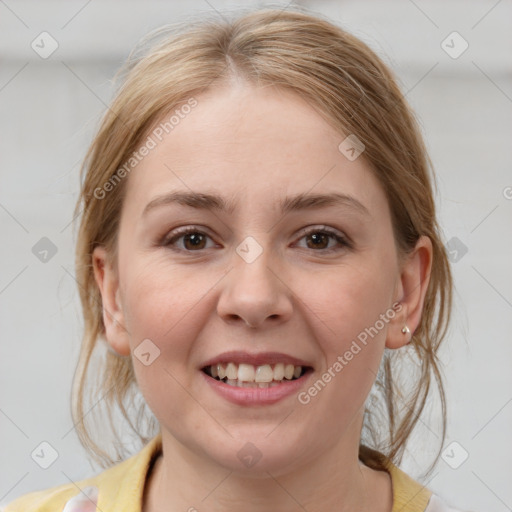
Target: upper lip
{"points": [[238, 356]]}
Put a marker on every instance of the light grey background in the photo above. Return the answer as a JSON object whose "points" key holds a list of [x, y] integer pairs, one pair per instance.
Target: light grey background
{"points": [[49, 109]]}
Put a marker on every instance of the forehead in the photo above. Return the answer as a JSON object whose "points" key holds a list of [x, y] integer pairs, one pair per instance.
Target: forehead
{"points": [[252, 144]]}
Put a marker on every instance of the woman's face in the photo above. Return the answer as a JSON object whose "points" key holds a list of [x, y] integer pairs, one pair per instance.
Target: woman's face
{"points": [[266, 273]]}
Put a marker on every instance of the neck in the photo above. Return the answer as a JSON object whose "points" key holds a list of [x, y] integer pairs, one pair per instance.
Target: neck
{"points": [[333, 480]]}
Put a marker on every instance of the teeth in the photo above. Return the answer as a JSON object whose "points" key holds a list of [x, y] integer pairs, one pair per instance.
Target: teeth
{"points": [[266, 374], [279, 371], [248, 375], [231, 371], [246, 372]]}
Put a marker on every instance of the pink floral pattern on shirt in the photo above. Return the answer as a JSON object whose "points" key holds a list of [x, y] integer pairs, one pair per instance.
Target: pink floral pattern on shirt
{"points": [[85, 501]]}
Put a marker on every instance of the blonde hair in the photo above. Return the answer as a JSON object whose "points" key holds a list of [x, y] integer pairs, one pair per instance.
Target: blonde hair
{"points": [[353, 89]]}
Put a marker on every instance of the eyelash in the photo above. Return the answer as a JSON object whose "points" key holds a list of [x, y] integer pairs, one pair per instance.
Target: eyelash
{"points": [[168, 241]]}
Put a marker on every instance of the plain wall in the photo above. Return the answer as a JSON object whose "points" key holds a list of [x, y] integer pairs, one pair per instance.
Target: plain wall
{"points": [[49, 109]]}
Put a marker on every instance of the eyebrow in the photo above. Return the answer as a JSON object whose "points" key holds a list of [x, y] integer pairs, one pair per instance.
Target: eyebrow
{"points": [[303, 201]]}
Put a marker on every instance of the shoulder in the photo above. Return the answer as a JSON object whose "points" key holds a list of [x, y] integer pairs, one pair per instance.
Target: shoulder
{"points": [[120, 484], [67, 497], [410, 495], [436, 504]]}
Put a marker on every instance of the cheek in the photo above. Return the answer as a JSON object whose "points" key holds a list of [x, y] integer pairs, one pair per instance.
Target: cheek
{"points": [[346, 303], [159, 304], [162, 306], [350, 313]]}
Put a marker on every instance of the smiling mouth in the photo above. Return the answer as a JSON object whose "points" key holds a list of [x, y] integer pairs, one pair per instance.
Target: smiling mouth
{"points": [[250, 376]]}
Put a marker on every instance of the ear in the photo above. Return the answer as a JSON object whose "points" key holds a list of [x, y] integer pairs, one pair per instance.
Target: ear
{"points": [[113, 317], [410, 293]]}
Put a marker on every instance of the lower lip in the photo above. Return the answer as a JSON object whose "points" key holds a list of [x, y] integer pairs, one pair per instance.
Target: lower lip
{"points": [[256, 396]]}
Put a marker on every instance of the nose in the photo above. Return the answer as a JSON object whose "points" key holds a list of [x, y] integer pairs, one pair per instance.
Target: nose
{"points": [[255, 293]]}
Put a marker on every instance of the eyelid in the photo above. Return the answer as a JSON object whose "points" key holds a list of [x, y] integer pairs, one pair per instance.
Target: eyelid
{"points": [[321, 228], [340, 236], [181, 231]]}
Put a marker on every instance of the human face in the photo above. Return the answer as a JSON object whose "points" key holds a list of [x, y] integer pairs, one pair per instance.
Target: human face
{"points": [[254, 280]]}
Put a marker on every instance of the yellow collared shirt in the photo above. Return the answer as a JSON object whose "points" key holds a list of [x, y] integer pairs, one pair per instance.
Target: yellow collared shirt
{"points": [[121, 488]]}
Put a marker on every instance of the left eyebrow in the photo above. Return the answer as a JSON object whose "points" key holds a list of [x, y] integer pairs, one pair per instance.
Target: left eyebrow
{"points": [[303, 201]]}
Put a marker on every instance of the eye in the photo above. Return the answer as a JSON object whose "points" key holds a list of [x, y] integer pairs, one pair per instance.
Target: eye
{"points": [[319, 239], [193, 239]]}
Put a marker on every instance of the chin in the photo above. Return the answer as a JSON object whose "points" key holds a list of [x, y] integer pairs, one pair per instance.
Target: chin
{"points": [[256, 453]]}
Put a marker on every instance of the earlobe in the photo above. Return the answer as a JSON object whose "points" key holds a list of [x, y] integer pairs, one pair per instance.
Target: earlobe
{"points": [[113, 317], [399, 332], [410, 293]]}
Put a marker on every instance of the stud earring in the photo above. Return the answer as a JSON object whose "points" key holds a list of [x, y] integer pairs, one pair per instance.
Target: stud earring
{"points": [[405, 330]]}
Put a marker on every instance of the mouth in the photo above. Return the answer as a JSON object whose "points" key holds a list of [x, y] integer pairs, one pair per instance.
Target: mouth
{"points": [[244, 375], [249, 379]]}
